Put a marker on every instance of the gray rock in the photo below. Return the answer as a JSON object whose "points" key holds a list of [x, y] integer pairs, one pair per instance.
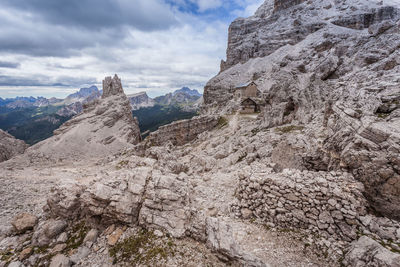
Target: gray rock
{"points": [[82, 253], [10, 146], [91, 236], [16, 264], [60, 261], [367, 252], [24, 222]]}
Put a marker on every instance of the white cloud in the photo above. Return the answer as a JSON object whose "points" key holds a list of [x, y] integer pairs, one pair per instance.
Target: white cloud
{"points": [[156, 61]]}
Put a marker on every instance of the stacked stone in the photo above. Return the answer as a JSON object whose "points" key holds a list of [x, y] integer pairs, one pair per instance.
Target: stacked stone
{"points": [[182, 132], [326, 203]]}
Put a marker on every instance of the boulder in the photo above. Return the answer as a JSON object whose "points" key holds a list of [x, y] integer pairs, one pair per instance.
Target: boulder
{"points": [[24, 222], [60, 261]]}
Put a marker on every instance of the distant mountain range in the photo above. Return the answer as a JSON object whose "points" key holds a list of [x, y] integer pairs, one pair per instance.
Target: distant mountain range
{"points": [[185, 97], [33, 119]]}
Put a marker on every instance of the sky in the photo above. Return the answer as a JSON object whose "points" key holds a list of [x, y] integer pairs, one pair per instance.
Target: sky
{"points": [[54, 47]]}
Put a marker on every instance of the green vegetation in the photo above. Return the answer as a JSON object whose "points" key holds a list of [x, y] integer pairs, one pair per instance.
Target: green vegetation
{"points": [[151, 118], [6, 255], [32, 124], [122, 164], [142, 248], [382, 115], [222, 121], [289, 129], [78, 234]]}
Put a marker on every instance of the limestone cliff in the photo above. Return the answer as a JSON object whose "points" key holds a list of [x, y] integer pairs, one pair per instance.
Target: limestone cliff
{"points": [[332, 66]]}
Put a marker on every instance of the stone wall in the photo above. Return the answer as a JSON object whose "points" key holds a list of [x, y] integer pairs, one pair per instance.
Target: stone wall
{"points": [[182, 132], [330, 204]]}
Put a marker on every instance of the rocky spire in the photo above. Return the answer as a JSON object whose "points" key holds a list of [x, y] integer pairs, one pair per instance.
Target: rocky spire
{"points": [[112, 86]]}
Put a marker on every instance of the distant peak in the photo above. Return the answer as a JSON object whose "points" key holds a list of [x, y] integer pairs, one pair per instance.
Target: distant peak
{"points": [[112, 86], [187, 90]]}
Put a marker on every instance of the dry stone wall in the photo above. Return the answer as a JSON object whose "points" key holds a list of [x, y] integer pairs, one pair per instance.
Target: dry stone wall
{"points": [[182, 132], [330, 204]]}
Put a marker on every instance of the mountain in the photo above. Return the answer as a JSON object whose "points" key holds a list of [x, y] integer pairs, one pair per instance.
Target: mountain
{"points": [[140, 100], [105, 126], [294, 159], [321, 58], [187, 90], [184, 98], [83, 95]]}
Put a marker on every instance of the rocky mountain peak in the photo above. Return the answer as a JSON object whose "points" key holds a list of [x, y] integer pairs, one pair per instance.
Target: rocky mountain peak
{"points": [[105, 126], [112, 86], [339, 59]]}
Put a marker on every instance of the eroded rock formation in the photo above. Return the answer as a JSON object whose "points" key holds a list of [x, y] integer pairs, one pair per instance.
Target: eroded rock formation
{"points": [[106, 126]]}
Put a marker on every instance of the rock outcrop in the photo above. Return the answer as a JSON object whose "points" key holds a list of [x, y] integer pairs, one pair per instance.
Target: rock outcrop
{"points": [[330, 65], [10, 146], [368, 252], [182, 132], [106, 126]]}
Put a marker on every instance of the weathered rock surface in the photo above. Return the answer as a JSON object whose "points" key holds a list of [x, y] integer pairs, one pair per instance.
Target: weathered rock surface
{"points": [[330, 65], [60, 261], [140, 100], [106, 126], [10, 146], [24, 222], [368, 252], [182, 132]]}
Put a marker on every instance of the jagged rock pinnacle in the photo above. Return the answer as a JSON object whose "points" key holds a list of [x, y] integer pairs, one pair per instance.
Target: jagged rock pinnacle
{"points": [[112, 86]]}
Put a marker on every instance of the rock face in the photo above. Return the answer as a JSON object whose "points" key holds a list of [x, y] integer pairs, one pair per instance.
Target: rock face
{"points": [[9, 146], [182, 132], [140, 100], [332, 66], [283, 4], [105, 126]]}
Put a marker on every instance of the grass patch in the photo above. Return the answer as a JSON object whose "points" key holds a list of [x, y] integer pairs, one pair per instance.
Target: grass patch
{"points": [[6, 255], [222, 121], [141, 248], [382, 115], [289, 129], [122, 164], [78, 234]]}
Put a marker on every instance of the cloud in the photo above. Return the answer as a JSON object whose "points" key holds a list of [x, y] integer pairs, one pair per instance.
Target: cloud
{"points": [[152, 45], [11, 65], [144, 15], [63, 81], [205, 5]]}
